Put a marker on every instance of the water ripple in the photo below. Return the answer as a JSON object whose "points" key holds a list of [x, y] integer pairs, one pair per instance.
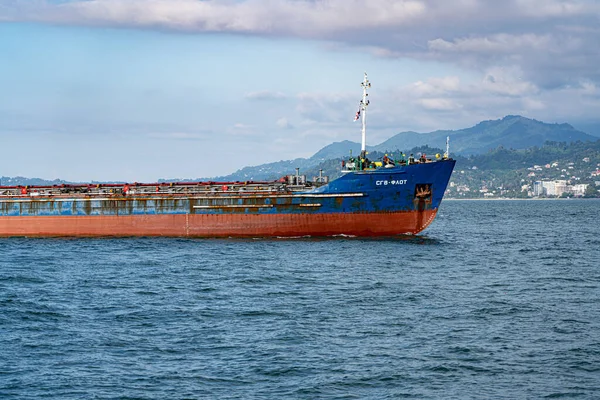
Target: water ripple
{"points": [[498, 300]]}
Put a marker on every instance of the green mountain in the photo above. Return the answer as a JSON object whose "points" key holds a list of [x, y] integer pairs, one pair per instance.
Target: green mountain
{"points": [[512, 131], [336, 150]]}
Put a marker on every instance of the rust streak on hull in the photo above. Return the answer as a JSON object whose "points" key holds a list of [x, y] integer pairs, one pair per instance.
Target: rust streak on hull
{"points": [[220, 225]]}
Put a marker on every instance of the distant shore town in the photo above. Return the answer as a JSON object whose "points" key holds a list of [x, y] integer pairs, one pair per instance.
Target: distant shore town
{"points": [[538, 183]]}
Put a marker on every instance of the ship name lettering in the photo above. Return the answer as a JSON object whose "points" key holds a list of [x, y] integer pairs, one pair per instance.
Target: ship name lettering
{"points": [[391, 182]]}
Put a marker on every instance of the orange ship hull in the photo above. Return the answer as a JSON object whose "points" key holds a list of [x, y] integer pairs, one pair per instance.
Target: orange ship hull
{"points": [[220, 225]]}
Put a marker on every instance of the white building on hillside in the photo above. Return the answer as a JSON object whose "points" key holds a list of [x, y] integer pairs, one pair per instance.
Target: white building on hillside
{"points": [[560, 187], [538, 189], [549, 188], [579, 189]]}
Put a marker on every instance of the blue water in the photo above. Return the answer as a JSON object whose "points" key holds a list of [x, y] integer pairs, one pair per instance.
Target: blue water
{"points": [[496, 300]]}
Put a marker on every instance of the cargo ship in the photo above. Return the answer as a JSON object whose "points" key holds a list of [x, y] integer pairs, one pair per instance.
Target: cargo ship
{"points": [[371, 198]]}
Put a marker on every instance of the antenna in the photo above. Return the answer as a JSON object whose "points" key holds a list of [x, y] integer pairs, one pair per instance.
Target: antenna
{"points": [[363, 107]]}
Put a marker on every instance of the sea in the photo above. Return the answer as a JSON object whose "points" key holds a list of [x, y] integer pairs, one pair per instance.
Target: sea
{"points": [[495, 300]]}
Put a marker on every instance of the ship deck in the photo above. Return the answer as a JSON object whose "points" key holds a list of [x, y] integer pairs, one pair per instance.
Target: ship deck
{"points": [[179, 189]]}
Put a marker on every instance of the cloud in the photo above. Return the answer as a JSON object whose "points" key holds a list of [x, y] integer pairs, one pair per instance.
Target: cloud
{"points": [[439, 104], [283, 123], [436, 86], [551, 41], [179, 135], [289, 17], [532, 56], [265, 95], [240, 129], [326, 107], [543, 37], [508, 82], [493, 44], [498, 92]]}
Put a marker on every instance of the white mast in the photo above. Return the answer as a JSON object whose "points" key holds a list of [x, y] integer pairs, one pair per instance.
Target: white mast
{"points": [[363, 109]]}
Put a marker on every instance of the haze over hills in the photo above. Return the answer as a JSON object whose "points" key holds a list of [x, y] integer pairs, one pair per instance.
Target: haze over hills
{"points": [[512, 131]]}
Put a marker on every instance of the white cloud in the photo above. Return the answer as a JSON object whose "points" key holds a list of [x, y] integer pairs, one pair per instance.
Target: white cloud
{"points": [[283, 123], [500, 43], [179, 135], [589, 89], [325, 107], [533, 105], [305, 18], [552, 8], [265, 95], [552, 41], [436, 86], [507, 81], [439, 104]]}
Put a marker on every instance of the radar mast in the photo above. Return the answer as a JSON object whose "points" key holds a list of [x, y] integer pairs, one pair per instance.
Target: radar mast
{"points": [[364, 103]]}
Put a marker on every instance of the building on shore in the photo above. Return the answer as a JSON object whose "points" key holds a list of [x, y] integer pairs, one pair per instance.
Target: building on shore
{"points": [[557, 188]]}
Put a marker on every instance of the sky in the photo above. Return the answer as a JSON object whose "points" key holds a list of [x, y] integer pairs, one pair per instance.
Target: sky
{"points": [[139, 90]]}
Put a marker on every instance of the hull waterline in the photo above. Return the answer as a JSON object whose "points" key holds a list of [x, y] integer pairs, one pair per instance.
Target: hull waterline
{"points": [[289, 225]]}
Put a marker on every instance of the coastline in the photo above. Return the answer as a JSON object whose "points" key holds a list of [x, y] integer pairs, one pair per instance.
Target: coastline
{"points": [[517, 199]]}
